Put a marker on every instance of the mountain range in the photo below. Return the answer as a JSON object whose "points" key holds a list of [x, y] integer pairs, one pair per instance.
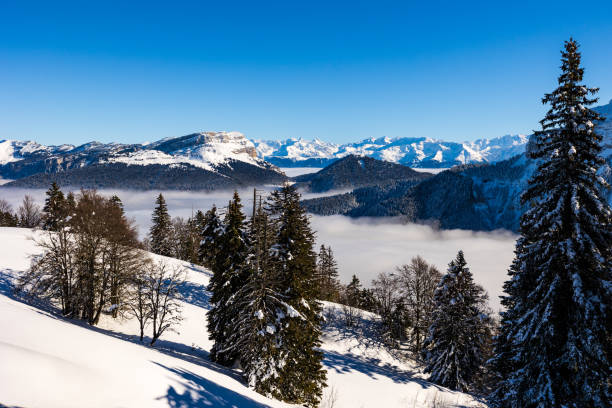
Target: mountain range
{"points": [[418, 152], [481, 192], [199, 161], [474, 196]]}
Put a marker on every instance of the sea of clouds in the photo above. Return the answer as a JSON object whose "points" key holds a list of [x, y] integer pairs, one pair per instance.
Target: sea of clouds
{"points": [[364, 247]]}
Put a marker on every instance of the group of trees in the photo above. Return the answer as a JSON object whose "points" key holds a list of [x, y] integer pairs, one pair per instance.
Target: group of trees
{"points": [[92, 263], [443, 319], [265, 315], [28, 215], [175, 237]]}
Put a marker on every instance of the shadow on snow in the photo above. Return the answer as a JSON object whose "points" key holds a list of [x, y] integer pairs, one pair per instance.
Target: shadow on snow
{"points": [[203, 393]]}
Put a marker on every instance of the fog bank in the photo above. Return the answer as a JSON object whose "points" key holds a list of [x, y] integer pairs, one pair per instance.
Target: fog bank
{"points": [[364, 247]]}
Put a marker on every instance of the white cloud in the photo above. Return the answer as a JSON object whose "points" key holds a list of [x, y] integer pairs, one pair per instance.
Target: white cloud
{"points": [[367, 246]]}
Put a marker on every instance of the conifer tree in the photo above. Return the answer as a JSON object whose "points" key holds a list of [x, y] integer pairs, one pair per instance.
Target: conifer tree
{"points": [[353, 292], [459, 329], [161, 230], [54, 211], [327, 275], [554, 345], [302, 378], [212, 228], [260, 309], [230, 272]]}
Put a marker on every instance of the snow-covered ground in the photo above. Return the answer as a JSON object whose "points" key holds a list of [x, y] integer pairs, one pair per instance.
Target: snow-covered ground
{"points": [[48, 361]]}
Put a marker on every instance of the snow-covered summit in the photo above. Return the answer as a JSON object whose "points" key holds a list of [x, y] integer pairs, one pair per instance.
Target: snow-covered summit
{"points": [[205, 150], [15, 150], [411, 151]]}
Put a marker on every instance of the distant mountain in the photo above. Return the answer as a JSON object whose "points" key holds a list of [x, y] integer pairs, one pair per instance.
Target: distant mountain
{"points": [[208, 160], [476, 197], [413, 152], [354, 171]]}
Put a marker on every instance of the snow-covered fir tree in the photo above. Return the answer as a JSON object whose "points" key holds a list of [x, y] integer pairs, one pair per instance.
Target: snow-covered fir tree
{"points": [[160, 233], [260, 310], [230, 272], [211, 231], [302, 377], [554, 345], [459, 329]]}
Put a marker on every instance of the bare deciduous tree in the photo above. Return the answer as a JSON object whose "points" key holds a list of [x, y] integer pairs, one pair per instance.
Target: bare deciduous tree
{"points": [[418, 282], [163, 295], [138, 299], [29, 213]]}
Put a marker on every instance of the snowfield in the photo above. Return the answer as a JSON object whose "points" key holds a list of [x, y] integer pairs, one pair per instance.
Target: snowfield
{"points": [[48, 361]]}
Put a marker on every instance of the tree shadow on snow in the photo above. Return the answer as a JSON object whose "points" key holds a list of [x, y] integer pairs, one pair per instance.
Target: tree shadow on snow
{"points": [[8, 278], [203, 393], [195, 294], [372, 367]]}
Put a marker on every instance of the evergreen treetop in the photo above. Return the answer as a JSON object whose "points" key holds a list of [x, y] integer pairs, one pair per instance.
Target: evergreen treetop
{"points": [[459, 329], [554, 344], [55, 211], [230, 272], [161, 230]]}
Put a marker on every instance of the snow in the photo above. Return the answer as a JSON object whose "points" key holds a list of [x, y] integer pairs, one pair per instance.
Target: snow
{"points": [[52, 362], [414, 152], [205, 150]]}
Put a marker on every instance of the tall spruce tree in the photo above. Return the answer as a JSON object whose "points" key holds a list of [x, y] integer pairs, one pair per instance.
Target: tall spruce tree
{"points": [[260, 309], [459, 329], [554, 345], [161, 230], [54, 211], [211, 230], [302, 378], [230, 272]]}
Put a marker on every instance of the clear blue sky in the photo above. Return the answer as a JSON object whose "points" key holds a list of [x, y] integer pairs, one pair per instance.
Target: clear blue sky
{"points": [[341, 71]]}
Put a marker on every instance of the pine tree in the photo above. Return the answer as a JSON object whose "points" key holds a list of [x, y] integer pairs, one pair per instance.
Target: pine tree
{"points": [[230, 272], [260, 308], [327, 275], [554, 345], [459, 329], [353, 292], [211, 231], [54, 211], [302, 378], [161, 230]]}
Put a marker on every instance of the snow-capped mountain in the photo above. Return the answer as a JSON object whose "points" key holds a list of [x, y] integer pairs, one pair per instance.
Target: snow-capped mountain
{"points": [[211, 160], [474, 197], [414, 152], [206, 150], [15, 150]]}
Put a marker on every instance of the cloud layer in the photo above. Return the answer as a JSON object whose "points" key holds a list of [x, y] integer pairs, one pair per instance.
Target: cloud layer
{"points": [[364, 247]]}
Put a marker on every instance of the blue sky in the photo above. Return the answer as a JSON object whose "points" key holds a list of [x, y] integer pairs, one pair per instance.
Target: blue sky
{"points": [[340, 71]]}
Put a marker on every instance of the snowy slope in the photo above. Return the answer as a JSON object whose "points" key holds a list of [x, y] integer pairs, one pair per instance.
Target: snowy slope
{"points": [[50, 362], [15, 150], [206, 150], [414, 152]]}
